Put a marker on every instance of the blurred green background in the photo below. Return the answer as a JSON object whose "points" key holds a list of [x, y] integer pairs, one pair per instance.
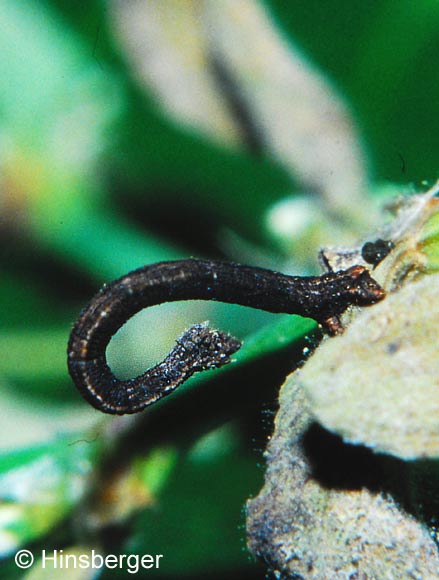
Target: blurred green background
{"points": [[144, 131]]}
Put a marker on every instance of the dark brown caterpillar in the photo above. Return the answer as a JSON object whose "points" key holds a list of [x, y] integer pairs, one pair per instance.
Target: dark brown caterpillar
{"points": [[323, 298]]}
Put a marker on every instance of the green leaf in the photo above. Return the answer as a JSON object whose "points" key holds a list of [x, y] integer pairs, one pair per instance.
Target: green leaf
{"points": [[39, 486], [197, 522]]}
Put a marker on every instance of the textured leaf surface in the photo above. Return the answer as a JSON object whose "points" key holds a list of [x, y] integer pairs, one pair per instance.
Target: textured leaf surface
{"points": [[378, 383]]}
